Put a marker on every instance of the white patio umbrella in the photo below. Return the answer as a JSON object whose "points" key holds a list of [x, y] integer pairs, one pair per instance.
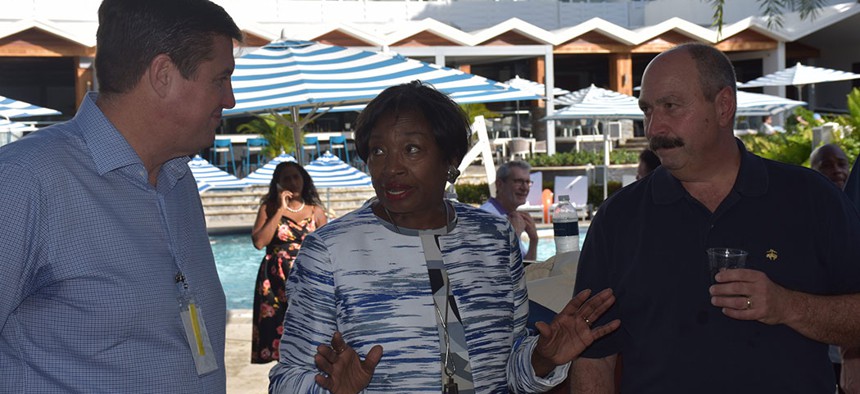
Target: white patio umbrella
{"points": [[214, 176], [264, 174], [601, 104], [533, 87], [594, 102], [800, 75], [11, 108], [291, 75], [757, 104]]}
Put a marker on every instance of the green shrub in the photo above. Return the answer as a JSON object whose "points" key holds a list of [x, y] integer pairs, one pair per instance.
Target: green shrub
{"points": [[795, 145], [595, 192], [581, 158], [473, 193]]}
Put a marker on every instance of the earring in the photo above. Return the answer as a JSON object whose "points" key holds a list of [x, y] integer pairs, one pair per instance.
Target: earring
{"points": [[453, 173]]}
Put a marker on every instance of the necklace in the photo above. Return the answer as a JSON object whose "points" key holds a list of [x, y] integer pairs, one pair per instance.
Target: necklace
{"points": [[296, 210], [391, 219]]}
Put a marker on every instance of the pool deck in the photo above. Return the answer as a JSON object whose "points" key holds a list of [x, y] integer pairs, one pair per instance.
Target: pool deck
{"points": [[242, 376]]}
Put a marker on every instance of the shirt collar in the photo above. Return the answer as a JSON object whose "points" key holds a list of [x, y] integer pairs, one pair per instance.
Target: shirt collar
{"points": [[110, 150], [752, 179], [495, 202]]}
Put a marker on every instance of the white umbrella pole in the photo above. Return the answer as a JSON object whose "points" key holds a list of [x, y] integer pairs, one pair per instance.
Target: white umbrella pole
{"points": [[297, 136], [606, 143], [517, 114]]}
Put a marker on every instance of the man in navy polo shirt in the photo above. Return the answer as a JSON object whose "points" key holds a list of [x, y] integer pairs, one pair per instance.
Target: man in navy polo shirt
{"points": [[762, 329]]}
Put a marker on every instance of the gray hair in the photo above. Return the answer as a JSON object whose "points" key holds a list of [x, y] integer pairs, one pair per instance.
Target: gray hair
{"points": [[504, 170], [715, 69]]}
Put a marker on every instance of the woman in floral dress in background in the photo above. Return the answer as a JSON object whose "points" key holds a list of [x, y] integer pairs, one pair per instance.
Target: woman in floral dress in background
{"points": [[288, 212]]}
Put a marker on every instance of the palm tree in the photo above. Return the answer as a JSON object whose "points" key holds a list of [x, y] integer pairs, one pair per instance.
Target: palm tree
{"points": [[773, 10], [276, 128]]}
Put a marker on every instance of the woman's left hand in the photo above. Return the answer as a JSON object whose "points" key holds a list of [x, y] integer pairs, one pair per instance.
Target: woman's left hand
{"points": [[344, 372], [570, 332]]}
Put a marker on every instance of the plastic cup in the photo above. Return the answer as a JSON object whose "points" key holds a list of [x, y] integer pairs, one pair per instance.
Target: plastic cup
{"points": [[726, 258]]}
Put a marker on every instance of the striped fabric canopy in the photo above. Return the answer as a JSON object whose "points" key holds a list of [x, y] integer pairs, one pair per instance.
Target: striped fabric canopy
{"points": [[329, 171], [203, 186], [497, 94], [213, 176], [263, 175], [757, 104], [289, 74], [11, 108], [800, 75], [594, 102]]}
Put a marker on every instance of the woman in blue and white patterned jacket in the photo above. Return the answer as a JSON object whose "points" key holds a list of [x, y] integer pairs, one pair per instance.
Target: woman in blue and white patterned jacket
{"points": [[413, 293]]}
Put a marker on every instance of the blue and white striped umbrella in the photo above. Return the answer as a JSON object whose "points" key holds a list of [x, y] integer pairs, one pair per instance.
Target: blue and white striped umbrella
{"points": [[290, 74], [11, 108], [330, 171], [203, 186], [498, 93], [594, 102], [264, 174], [757, 104], [214, 176]]}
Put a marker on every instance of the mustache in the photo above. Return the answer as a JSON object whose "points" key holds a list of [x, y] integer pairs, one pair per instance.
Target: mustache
{"points": [[660, 142]]}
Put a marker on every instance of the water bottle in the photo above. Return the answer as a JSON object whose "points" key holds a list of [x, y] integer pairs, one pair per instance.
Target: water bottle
{"points": [[565, 226]]}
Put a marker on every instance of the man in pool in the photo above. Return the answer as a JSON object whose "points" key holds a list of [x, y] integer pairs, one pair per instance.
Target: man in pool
{"points": [[759, 329]]}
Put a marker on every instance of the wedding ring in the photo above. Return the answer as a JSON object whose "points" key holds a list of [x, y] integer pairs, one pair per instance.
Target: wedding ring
{"points": [[749, 303]]}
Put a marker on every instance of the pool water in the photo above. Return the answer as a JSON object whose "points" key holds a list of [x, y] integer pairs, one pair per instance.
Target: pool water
{"points": [[238, 261]]}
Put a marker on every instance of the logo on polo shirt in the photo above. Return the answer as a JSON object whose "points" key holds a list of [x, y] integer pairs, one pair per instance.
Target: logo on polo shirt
{"points": [[771, 255]]}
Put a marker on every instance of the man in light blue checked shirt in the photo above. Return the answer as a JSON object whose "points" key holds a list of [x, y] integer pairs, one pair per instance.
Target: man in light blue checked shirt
{"points": [[107, 280]]}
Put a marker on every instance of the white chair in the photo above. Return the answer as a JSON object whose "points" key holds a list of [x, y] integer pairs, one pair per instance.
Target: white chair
{"points": [[540, 147], [518, 147]]}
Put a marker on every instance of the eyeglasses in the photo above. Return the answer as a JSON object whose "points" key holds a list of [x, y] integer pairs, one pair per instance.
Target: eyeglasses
{"points": [[522, 182]]}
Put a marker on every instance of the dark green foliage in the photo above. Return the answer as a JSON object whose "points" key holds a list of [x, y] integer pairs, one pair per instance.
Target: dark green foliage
{"points": [[595, 192], [581, 158], [272, 127], [473, 194]]}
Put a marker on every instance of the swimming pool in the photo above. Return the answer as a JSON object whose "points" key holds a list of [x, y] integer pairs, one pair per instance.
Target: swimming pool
{"points": [[238, 262]]}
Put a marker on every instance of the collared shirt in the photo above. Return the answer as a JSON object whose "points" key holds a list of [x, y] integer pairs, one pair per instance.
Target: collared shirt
{"points": [[90, 252], [648, 243], [495, 207]]}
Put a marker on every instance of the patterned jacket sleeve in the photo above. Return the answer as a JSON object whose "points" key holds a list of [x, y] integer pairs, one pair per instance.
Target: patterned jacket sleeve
{"points": [[311, 319], [522, 375]]}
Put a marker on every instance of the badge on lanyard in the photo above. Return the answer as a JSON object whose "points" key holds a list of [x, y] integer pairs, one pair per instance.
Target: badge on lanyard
{"points": [[195, 329]]}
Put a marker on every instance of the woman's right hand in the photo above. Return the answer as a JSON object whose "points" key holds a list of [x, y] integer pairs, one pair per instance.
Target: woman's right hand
{"points": [[344, 372], [286, 195]]}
